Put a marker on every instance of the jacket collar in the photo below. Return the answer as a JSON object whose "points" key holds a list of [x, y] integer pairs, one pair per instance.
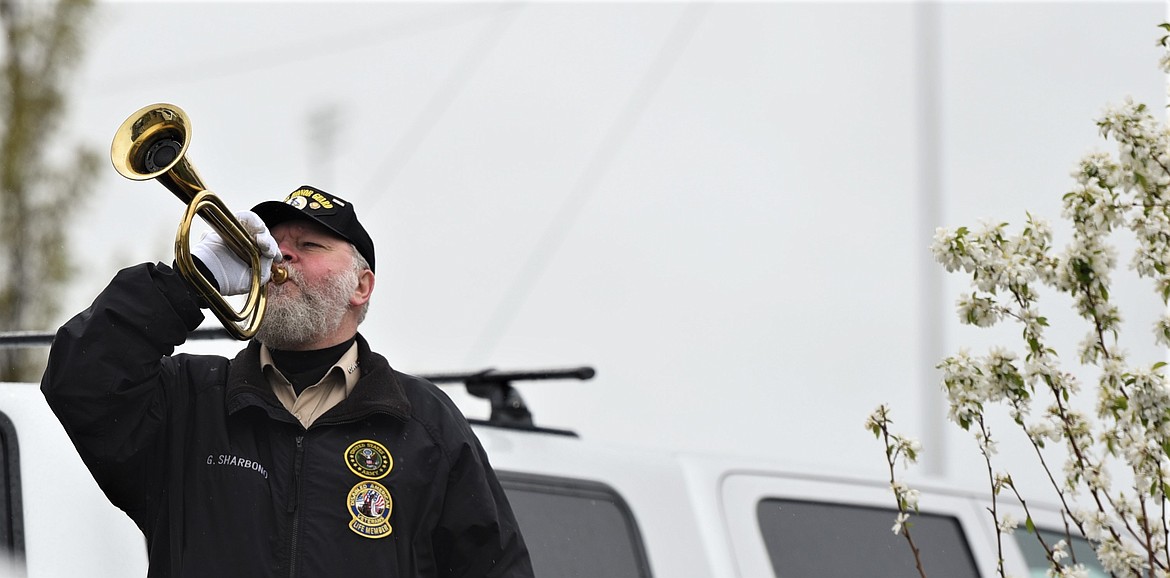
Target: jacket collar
{"points": [[378, 390]]}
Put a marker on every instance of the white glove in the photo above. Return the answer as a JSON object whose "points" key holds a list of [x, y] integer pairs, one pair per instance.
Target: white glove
{"points": [[231, 273]]}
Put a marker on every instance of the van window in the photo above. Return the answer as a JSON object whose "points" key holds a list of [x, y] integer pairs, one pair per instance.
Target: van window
{"points": [[11, 523], [842, 541], [576, 528], [1037, 560], [11, 516]]}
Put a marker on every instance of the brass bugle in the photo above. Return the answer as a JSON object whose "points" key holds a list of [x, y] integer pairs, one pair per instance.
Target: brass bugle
{"points": [[152, 144]]}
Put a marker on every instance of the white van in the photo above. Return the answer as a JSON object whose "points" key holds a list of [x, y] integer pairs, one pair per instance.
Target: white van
{"points": [[586, 509], [590, 509]]}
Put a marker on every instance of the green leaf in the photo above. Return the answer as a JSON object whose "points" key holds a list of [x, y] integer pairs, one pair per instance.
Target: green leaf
{"points": [[1030, 525], [1083, 272]]}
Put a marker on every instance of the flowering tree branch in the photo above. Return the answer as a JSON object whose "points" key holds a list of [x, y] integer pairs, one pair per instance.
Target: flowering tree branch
{"points": [[906, 450], [1128, 190]]}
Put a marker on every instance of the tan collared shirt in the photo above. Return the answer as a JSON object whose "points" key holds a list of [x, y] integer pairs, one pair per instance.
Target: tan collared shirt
{"points": [[318, 398]]}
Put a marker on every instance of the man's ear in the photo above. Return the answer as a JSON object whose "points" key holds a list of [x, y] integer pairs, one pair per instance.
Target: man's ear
{"points": [[365, 288]]}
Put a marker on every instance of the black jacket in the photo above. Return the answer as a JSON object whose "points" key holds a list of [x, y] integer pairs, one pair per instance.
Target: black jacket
{"points": [[223, 481]]}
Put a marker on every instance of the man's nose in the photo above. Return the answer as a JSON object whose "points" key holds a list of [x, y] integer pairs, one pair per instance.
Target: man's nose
{"points": [[287, 249]]}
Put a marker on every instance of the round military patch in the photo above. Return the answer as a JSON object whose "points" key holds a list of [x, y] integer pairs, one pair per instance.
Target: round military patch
{"points": [[368, 459], [369, 504]]}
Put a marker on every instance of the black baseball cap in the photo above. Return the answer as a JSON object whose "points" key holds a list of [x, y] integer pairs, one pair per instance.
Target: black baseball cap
{"points": [[333, 213]]}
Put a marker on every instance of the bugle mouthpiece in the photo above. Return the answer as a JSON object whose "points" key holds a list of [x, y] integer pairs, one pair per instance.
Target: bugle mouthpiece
{"points": [[279, 274]]}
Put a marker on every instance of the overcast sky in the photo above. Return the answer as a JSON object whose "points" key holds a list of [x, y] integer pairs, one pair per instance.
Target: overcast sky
{"points": [[723, 208]]}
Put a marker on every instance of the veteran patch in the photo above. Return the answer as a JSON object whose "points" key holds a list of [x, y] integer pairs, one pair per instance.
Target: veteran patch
{"points": [[309, 198], [368, 459], [369, 504]]}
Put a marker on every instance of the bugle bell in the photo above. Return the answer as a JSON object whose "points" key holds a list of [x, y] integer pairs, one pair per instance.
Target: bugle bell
{"points": [[152, 144]]}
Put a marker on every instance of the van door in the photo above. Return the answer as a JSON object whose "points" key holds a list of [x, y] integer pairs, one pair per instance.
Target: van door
{"points": [[576, 528]]}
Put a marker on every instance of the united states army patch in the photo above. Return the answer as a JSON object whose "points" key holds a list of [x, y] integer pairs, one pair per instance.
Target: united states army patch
{"points": [[370, 504], [368, 459]]}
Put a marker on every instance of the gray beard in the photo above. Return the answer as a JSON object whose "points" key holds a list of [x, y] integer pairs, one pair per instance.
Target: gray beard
{"points": [[294, 320]]}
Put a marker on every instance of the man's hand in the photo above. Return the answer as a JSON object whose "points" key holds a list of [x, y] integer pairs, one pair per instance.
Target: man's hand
{"points": [[232, 274]]}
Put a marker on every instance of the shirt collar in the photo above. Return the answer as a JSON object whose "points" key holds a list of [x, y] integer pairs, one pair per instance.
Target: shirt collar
{"points": [[346, 366]]}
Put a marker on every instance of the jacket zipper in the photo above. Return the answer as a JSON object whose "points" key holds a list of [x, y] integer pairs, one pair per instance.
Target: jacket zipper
{"points": [[294, 505]]}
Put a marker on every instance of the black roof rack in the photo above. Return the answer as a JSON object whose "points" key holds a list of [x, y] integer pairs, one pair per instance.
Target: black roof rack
{"points": [[508, 408], [19, 339]]}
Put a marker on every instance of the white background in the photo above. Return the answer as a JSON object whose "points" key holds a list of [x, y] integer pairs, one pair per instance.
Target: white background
{"points": [[724, 208]]}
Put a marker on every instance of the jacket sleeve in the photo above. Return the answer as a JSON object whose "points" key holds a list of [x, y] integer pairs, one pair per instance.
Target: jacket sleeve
{"points": [[109, 376], [477, 533]]}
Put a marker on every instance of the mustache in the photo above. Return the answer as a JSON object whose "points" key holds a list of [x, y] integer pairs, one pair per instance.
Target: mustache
{"points": [[294, 276]]}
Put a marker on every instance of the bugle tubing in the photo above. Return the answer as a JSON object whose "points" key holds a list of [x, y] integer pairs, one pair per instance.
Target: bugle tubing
{"points": [[152, 144]]}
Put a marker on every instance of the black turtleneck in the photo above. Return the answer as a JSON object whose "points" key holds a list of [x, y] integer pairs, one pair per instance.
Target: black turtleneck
{"points": [[302, 368], [305, 368]]}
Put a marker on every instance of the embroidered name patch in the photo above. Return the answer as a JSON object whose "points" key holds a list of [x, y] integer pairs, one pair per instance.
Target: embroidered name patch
{"points": [[237, 461], [370, 505], [368, 459]]}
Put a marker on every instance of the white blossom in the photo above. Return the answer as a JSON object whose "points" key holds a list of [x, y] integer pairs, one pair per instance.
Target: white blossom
{"points": [[1007, 524], [1095, 523], [907, 497], [988, 445], [1119, 558], [949, 250], [1043, 431], [899, 522], [1033, 322], [965, 388], [1060, 550], [1162, 331], [1003, 379], [978, 311], [1074, 571]]}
